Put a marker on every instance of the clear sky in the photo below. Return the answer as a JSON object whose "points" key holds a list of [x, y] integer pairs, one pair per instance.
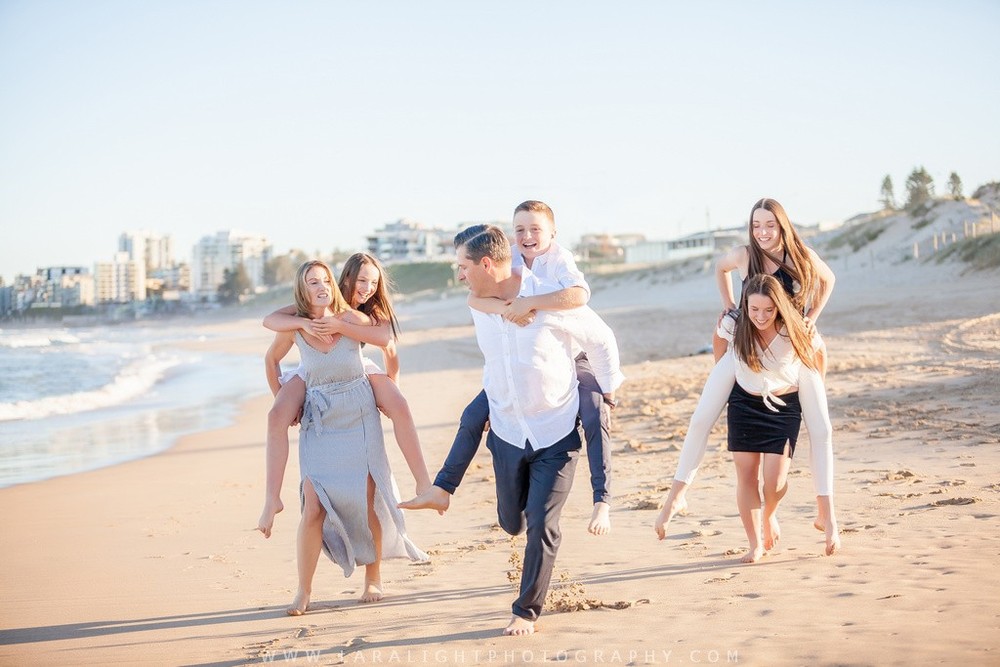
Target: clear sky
{"points": [[316, 122]]}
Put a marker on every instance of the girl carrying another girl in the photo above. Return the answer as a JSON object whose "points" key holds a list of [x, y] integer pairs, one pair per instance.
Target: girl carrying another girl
{"points": [[775, 249], [347, 493]]}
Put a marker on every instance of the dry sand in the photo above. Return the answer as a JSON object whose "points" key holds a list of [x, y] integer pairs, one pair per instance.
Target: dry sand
{"points": [[155, 561]]}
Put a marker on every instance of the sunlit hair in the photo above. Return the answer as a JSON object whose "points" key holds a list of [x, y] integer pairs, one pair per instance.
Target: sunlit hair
{"points": [[535, 206], [303, 306], [484, 241], [378, 306], [798, 264], [747, 338]]}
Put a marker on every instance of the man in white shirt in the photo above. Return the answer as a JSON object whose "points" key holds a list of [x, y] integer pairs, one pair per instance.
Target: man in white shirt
{"points": [[530, 379]]}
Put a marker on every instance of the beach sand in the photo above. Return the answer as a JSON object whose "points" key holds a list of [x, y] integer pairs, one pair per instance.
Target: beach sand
{"points": [[156, 561]]}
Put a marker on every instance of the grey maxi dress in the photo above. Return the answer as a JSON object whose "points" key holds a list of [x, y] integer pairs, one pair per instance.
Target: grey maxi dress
{"points": [[340, 444]]}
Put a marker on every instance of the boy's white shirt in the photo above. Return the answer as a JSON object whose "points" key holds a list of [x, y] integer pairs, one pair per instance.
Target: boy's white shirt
{"points": [[556, 269], [553, 270]]}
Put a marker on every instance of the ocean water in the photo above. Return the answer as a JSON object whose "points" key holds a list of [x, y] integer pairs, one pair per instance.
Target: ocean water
{"points": [[83, 398]]}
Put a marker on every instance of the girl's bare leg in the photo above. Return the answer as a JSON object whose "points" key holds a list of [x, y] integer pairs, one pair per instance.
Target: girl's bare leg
{"points": [[775, 488], [816, 414], [308, 544], [373, 571], [392, 403], [283, 413], [748, 501]]}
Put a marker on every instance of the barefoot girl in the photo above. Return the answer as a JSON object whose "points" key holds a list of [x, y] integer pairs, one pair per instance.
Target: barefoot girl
{"points": [[347, 492], [776, 249]]}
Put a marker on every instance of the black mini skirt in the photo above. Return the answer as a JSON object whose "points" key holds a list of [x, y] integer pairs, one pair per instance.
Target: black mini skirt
{"points": [[753, 427]]}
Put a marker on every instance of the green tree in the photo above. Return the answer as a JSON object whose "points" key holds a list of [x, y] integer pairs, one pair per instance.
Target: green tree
{"points": [[281, 270], [955, 186], [919, 188], [235, 283], [888, 198]]}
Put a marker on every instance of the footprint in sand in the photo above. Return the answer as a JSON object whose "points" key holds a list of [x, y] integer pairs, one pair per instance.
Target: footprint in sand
{"points": [[717, 580], [901, 474], [954, 501]]}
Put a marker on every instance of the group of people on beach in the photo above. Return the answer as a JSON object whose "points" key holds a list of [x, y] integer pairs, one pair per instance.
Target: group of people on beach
{"points": [[551, 369]]}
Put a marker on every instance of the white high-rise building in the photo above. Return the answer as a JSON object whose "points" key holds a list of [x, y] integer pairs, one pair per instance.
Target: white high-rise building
{"points": [[225, 251], [122, 280], [156, 251]]}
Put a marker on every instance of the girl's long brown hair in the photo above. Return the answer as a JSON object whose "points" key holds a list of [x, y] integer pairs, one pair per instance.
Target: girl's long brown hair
{"points": [[799, 265], [747, 338], [378, 306], [303, 306]]}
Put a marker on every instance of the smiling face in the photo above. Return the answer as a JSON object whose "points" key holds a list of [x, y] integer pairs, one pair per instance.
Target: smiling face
{"points": [[766, 231], [762, 311], [533, 234], [319, 287], [365, 285]]}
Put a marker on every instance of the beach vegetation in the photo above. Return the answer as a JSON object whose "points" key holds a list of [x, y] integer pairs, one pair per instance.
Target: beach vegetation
{"points": [[955, 186], [858, 236], [420, 276], [887, 197], [919, 188], [980, 252]]}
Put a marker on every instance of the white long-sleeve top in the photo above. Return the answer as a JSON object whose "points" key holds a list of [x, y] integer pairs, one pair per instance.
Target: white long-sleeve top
{"points": [[780, 365], [530, 372]]}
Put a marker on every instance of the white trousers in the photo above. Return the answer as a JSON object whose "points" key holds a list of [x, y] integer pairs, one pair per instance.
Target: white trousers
{"points": [[715, 395]]}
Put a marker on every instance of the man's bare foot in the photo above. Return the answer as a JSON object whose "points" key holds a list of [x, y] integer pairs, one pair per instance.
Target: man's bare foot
{"points": [[600, 521], [755, 554], [519, 626], [772, 532], [434, 498], [671, 508], [266, 520], [299, 606], [373, 592]]}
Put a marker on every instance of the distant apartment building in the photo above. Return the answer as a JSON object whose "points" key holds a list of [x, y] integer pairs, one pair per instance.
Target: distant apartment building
{"points": [[409, 241], [606, 247], [65, 286], [122, 280], [156, 251], [212, 256], [701, 244]]}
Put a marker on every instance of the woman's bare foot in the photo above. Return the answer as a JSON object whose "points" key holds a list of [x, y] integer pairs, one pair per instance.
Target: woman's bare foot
{"points": [[266, 520], [600, 521], [519, 626], [755, 554], [832, 539], [827, 523], [772, 532], [373, 592], [434, 498], [672, 506], [299, 606]]}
